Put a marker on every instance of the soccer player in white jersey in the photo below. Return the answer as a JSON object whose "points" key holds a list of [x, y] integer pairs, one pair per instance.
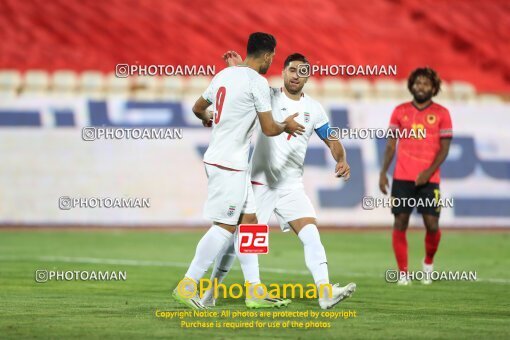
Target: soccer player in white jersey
{"points": [[277, 178], [239, 95]]}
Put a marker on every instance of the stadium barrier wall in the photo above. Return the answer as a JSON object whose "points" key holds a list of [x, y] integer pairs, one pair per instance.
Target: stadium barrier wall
{"points": [[44, 158]]}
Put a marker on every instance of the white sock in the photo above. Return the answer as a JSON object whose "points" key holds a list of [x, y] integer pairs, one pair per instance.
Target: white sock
{"points": [[249, 264], [224, 262], [315, 255], [207, 249], [222, 266]]}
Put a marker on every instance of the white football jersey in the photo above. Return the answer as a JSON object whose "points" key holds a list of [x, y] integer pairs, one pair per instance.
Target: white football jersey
{"points": [[237, 94], [278, 161]]}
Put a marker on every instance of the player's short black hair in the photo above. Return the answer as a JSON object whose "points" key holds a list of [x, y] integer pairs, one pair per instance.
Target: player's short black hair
{"points": [[426, 72], [293, 57], [259, 43]]}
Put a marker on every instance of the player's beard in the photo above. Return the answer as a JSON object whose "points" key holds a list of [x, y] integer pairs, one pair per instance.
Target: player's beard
{"points": [[425, 97], [264, 68], [293, 90]]}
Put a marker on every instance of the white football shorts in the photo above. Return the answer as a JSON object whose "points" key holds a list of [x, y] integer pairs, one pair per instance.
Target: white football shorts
{"points": [[287, 204], [227, 193]]}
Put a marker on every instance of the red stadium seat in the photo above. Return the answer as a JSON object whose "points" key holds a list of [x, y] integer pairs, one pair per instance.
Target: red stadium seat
{"points": [[463, 40]]}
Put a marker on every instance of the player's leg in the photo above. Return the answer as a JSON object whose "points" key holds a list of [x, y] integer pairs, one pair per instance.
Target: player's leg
{"points": [[222, 265], [250, 266], [315, 254], [401, 191], [207, 249], [249, 262], [430, 193], [294, 208], [399, 240], [227, 255], [223, 186], [260, 200], [225, 259], [432, 238]]}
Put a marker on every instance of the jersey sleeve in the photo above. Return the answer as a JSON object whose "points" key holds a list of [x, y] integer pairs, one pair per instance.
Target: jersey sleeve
{"points": [[394, 120], [322, 117], [208, 93], [445, 126], [261, 94]]}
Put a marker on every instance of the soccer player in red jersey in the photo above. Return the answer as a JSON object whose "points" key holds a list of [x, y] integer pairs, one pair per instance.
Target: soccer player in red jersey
{"points": [[417, 169]]}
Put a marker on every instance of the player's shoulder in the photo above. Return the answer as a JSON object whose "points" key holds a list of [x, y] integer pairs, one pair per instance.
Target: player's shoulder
{"points": [[242, 77], [223, 75], [439, 108], [312, 102], [404, 107], [252, 74], [240, 71], [309, 99]]}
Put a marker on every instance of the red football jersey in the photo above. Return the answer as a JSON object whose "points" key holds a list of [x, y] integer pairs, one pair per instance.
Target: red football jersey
{"points": [[416, 154]]}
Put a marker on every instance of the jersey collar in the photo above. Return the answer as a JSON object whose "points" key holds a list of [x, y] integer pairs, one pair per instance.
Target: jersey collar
{"points": [[423, 109], [302, 93]]}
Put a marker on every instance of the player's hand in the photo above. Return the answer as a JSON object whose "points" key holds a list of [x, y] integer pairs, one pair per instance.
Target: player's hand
{"points": [[423, 178], [208, 121], [292, 127], [232, 58], [343, 169], [383, 183]]}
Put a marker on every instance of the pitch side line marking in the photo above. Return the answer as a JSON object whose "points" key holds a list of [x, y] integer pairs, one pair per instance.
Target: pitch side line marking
{"points": [[147, 263]]}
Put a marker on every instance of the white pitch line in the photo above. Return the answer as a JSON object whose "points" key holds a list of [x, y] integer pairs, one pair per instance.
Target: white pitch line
{"points": [[150, 263], [146, 263], [169, 264]]}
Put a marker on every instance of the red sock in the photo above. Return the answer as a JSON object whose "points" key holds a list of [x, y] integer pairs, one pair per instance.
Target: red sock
{"points": [[431, 244], [400, 249]]}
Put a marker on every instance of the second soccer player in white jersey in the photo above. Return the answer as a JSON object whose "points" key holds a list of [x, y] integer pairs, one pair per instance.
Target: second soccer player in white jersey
{"points": [[239, 95], [277, 178]]}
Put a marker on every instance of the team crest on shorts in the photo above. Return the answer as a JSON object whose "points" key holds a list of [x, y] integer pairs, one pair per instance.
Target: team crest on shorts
{"points": [[231, 211], [307, 117]]}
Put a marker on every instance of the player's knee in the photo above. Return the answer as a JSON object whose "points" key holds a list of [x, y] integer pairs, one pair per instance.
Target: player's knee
{"points": [[310, 236], [432, 227], [249, 219], [401, 222], [231, 228], [400, 227], [298, 225], [431, 223]]}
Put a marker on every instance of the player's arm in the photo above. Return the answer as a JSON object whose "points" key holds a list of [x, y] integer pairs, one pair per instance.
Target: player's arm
{"points": [[445, 135], [425, 175], [201, 105], [200, 110], [342, 168], [262, 100], [389, 152], [271, 128], [232, 58]]}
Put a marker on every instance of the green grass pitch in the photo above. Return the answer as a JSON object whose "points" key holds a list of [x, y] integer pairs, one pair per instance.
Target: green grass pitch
{"points": [[156, 260]]}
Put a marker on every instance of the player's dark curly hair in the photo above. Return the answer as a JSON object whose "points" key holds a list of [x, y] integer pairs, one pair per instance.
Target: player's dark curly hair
{"points": [[259, 43], [294, 57], [426, 72]]}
